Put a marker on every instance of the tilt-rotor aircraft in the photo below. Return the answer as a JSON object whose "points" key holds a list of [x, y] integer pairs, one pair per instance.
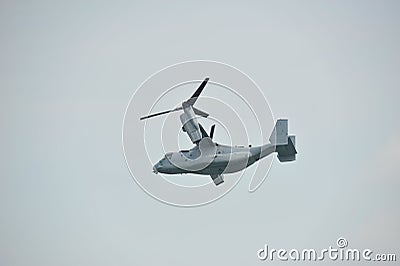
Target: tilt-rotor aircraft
{"points": [[210, 158]]}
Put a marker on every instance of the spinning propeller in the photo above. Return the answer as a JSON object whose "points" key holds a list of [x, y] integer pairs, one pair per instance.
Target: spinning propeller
{"points": [[190, 102], [189, 121]]}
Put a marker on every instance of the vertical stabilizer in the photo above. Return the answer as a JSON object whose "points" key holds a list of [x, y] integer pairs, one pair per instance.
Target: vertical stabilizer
{"points": [[284, 144]]}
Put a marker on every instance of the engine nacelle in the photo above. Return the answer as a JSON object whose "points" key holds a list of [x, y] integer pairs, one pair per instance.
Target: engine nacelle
{"points": [[190, 124]]}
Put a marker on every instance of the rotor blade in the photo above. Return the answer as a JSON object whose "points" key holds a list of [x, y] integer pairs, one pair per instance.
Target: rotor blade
{"points": [[160, 113], [196, 94], [212, 131], [200, 113], [203, 132]]}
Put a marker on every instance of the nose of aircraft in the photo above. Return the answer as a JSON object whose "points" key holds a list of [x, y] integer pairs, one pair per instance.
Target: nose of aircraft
{"points": [[161, 167], [155, 170], [158, 167]]}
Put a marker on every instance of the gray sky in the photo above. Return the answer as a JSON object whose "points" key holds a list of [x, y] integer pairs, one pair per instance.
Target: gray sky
{"points": [[69, 68]]}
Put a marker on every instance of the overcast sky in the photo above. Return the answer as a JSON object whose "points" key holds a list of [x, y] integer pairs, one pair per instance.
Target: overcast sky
{"points": [[68, 69]]}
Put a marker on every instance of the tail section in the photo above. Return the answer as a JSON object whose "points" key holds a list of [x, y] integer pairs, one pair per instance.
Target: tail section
{"points": [[284, 144]]}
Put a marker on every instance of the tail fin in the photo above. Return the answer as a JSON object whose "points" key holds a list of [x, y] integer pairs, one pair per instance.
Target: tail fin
{"points": [[285, 145]]}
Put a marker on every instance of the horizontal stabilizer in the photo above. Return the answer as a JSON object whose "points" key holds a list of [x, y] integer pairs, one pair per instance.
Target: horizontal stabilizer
{"points": [[287, 153]]}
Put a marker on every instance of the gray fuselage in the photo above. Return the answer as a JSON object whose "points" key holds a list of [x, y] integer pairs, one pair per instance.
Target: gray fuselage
{"points": [[223, 159]]}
